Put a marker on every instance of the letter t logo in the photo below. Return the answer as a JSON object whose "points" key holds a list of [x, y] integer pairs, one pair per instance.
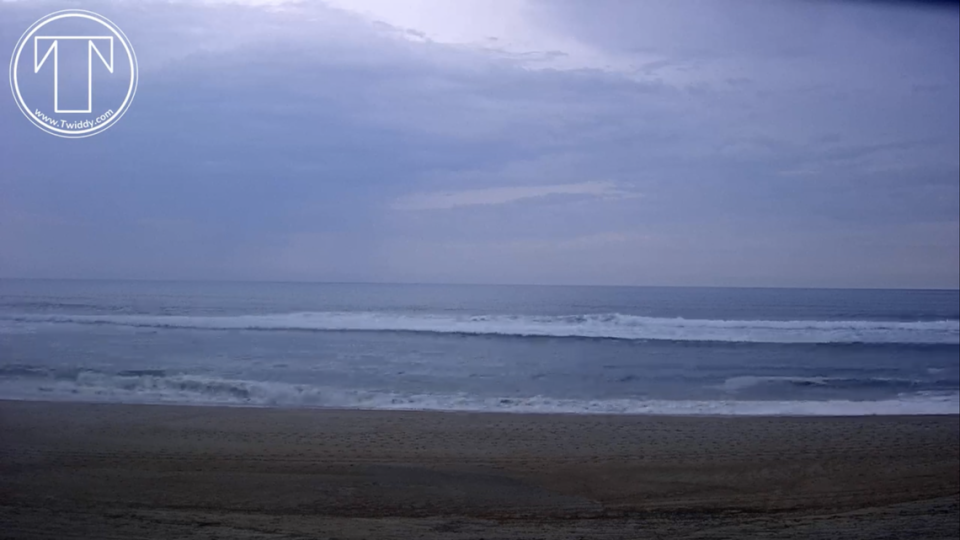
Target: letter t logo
{"points": [[51, 45]]}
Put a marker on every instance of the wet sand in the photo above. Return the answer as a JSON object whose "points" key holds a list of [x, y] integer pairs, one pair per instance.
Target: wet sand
{"points": [[103, 471]]}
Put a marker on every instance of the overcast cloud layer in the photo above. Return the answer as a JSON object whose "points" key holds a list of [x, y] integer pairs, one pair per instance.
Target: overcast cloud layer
{"points": [[543, 141]]}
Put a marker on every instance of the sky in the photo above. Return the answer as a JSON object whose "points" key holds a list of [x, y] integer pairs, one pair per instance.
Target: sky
{"points": [[607, 142]]}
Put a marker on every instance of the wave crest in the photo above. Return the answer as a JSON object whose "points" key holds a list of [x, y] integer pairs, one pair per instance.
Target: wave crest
{"points": [[744, 382], [130, 387], [606, 326]]}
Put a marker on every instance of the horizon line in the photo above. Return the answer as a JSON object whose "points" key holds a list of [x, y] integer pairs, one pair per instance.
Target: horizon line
{"points": [[473, 284]]}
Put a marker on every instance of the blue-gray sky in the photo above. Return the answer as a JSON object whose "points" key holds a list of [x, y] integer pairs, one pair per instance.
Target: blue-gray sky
{"points": [[740, 143]]}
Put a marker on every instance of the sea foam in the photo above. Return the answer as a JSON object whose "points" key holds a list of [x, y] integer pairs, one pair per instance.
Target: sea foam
{"points": [[159, 387], [607, 326]]}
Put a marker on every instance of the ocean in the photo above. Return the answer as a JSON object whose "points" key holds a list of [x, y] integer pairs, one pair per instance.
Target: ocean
{"points": [[581, 350]]}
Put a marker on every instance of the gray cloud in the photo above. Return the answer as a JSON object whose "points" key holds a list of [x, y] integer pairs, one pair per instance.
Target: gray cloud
{"points": [[774, 144], [510, 194]]}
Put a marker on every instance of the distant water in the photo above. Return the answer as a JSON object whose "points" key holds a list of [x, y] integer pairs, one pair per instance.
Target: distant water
{"points": [[499, 348]]}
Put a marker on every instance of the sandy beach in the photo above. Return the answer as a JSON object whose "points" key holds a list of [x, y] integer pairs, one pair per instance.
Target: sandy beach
{"points": [[101, 471]]}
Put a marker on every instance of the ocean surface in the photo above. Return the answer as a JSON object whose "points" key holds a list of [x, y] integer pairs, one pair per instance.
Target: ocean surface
{"points": [[624, 350]]}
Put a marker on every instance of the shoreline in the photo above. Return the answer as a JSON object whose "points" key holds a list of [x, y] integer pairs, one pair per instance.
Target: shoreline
{"points": [[532, 413], [941, 404], [194, 472]]}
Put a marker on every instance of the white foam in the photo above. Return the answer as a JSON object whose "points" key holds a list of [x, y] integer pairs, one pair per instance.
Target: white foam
{"points": [[614, 326], [735, 384], [193, 389]]}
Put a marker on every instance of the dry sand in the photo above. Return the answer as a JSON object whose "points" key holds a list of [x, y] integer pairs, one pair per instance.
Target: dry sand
{"points": [[125, 471]]}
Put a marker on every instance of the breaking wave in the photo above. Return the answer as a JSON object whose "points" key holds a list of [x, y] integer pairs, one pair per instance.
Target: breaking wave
{"points": [[156, 386], [608, 326], [744, 382]]}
